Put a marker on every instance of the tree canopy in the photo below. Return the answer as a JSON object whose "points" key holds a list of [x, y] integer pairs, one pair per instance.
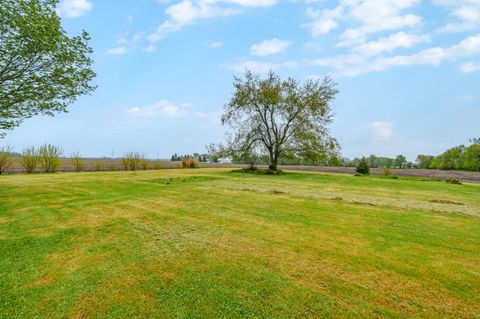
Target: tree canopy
{"points": [[459, 158], [280, 118], [42, 69]]}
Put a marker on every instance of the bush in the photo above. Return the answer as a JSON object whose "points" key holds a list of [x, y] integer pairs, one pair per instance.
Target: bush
{"points": [[30, 159], [157, 165], [98, 166], [131, 161], [144, 164], [387, 172], [190, 163], [362, 167], [453, 181], [77, 162], [49, 158], [6, 159]]}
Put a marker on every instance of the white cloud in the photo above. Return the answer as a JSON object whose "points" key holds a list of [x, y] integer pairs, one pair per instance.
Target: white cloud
{"points": [[215, 44], [188, 12], [390, 43], [466, 13], [163, 107], [382, 131], [117, 51], [324, 21], [269, 47], [470, 67], [353, 65], [73, 8], [370, 16], [260, 67]]}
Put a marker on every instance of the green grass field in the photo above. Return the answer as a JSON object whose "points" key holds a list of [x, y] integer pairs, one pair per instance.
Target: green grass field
{"points": [[211, 243]]}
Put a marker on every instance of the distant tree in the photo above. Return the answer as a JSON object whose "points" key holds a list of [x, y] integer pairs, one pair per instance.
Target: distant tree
{"points": [[400, 161], [42, 69], [362, 166], [475, 140], [470, 158], [281, 118], [450, 159], [425, 161]]}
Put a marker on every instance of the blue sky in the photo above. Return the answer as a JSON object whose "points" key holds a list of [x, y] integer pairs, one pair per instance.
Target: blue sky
{"points": [[408, 71]]}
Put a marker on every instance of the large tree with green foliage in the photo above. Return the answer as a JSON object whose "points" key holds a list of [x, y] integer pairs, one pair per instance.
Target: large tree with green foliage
{"points": [[281, 118], [42, 69]]}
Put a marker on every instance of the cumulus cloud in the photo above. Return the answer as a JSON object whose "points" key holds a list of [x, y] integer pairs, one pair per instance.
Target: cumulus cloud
{"points": [[353, 65], [465, 12], [390, 43], [73, 8], [269, 47], [368, 16], [188, 12], [163, 107]]}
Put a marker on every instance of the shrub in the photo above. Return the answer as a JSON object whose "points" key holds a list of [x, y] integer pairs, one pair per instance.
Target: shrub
{"points": [[144, 164], [362, 167], [49, 158], [387, 172], [190, 163], [131, 161], [98, 166], [157, 165], [77, 162], [453, 181], [30, 159], [6, 159]]}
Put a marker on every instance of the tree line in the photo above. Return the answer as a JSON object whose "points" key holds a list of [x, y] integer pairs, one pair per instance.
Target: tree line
{"points": [[202, 158], [374, 161], [456, 158]]}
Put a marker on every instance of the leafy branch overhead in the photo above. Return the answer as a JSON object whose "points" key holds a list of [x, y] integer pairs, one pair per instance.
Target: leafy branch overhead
{"points": [[42, 69], [281, 118]]}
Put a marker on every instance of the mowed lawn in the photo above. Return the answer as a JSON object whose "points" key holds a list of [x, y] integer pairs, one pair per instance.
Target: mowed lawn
{"points": [[211, 243]]}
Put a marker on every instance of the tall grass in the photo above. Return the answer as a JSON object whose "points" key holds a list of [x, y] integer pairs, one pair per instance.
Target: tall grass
{"points": [[78, 162], [50, 157], [30, 159], [6, 159]]}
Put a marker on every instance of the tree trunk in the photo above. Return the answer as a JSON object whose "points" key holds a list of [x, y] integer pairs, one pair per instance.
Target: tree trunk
{"points": [[273, 164]]}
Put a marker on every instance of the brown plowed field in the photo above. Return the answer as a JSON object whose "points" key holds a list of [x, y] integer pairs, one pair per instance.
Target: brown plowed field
{"points": [[114, 164]]}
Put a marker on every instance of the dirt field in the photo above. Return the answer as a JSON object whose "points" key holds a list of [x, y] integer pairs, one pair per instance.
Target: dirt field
{"points": [[116, 164]]}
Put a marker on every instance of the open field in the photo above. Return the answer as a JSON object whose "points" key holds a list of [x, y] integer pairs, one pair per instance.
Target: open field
{"points": [[116, 164], [211, 243]]}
